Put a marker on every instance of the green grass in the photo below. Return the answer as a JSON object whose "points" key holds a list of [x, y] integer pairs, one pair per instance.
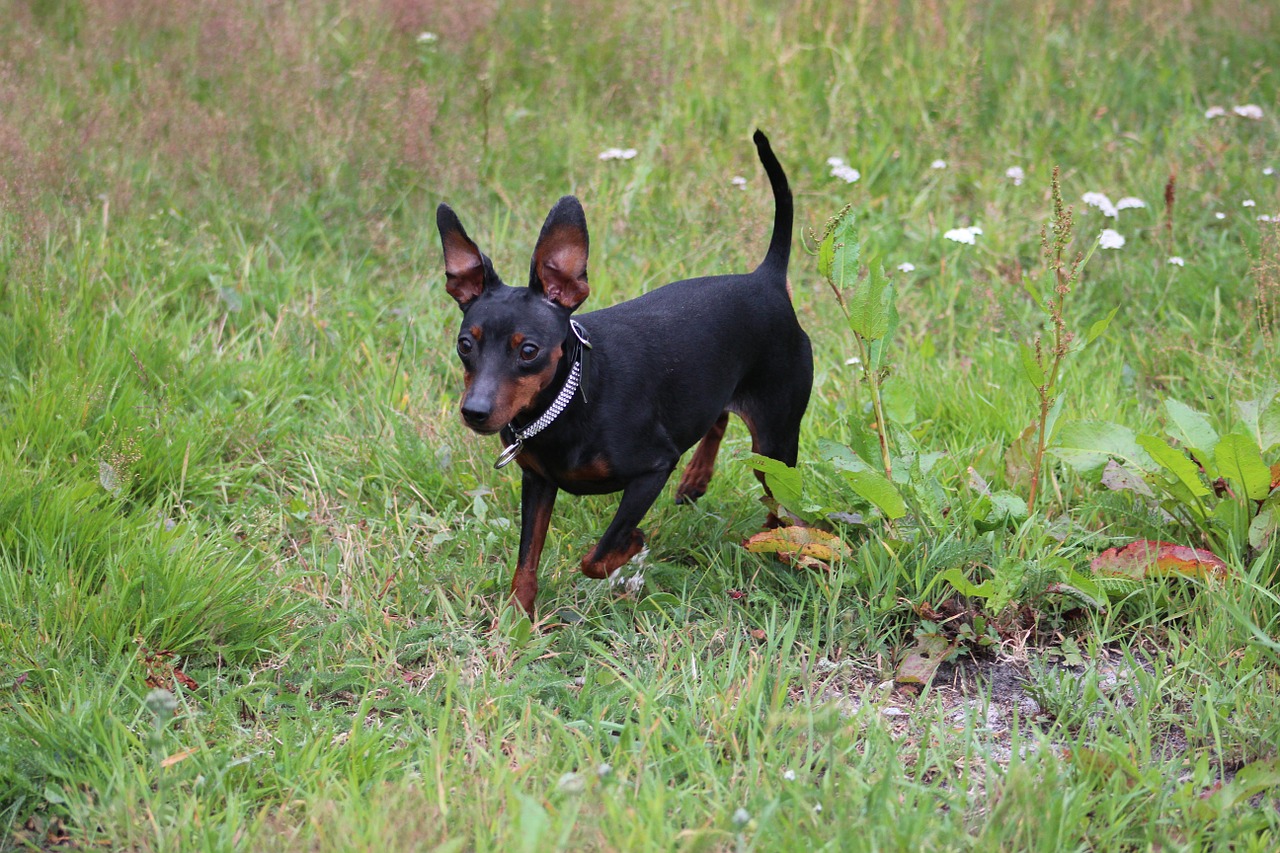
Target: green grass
{"points": [[229, 441]]}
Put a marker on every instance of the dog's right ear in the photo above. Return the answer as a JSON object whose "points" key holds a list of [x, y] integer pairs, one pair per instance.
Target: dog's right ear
{"points": [[463, 262]]}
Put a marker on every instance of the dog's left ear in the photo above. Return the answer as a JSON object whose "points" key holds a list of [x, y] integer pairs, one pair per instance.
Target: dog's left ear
{"points": [[559, 267]]}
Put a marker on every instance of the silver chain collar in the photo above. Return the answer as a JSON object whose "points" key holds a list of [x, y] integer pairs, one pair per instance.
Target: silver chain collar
{"points": [[558, 405]]}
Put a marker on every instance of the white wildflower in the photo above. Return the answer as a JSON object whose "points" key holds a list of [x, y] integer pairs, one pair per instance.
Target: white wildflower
{"points": [[618, 153], [1214, 112], [1248, 202], [938, 164], [1100, 201], [789, 775], [1252, 111], [1267, 170], [1219, 215], [1262, 217], [738, 181], [1177, 261], [1110, 239], [906, 266], [1129, 202], [835, 161], [848, 174], [1015, 174], [964, 235], [741, 817], [428, 38]]}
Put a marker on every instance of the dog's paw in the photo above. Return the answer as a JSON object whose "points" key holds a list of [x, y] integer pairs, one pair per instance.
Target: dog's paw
{"points": [[600, 565]]}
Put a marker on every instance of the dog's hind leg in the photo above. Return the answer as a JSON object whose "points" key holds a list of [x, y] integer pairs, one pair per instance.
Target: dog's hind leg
{"points": [[697, 474]]}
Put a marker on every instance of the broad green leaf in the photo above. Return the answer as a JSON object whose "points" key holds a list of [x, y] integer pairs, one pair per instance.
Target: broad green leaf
{"points": [[1193, 431], [1013, 507], [1240, 462], [784, 481], [658, 602], [966, 587], [1087, 445], [840, 252], [870, 304], [873, 487], [1182, 498], [1233, 517], [842, 457], [1175, 462], [899, 403], [520, 632], [880, 345], [1101, 326], [1263, 527], [1262, 418], [1085, 586], [1031, 366], [1249, 781]]}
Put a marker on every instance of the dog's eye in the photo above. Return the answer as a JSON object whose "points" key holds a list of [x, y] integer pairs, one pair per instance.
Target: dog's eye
{"points": [[465, 346], [528, 352]]}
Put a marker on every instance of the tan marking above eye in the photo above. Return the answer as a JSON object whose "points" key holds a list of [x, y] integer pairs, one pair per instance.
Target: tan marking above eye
{"points": [[476, 332]]}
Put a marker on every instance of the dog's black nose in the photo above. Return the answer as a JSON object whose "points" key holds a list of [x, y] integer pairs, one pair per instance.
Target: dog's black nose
{"points": [[475, 415]]}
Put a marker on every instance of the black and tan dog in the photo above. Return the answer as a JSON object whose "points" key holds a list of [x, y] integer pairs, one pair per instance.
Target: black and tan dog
{"points": [[610, 401]]}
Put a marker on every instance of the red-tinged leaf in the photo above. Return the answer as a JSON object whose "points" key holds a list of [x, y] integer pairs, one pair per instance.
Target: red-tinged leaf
{"points": [[1146, 558], [923, 659], [1275, 476], [802, 547]]}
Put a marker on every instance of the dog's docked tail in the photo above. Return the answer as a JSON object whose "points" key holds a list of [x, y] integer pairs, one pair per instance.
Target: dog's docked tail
{"points": [[775, 260]]}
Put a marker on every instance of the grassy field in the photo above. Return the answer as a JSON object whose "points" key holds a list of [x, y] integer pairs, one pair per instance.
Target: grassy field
{"points": [[253, 568]]}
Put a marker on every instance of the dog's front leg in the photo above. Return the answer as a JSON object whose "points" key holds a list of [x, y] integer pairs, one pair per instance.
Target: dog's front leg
{"points": [[537, 498], [623, 539]]}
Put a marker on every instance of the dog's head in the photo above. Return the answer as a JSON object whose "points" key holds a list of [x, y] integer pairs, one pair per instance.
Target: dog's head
{"points": [[513, 338]]}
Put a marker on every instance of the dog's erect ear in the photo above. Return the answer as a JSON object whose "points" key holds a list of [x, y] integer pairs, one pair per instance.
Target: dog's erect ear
{"points": [[559, 267], [463, 262]]}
